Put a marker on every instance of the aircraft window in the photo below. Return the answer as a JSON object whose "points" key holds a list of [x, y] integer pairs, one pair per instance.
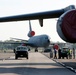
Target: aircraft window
{"points": [[47, 38]]}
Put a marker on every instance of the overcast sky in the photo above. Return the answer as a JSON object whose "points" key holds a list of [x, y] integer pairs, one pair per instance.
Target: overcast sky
{"points": [[20, 29]]}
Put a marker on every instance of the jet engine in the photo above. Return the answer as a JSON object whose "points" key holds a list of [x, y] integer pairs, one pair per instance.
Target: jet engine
{"points": [[66, 26], [31, 33]]}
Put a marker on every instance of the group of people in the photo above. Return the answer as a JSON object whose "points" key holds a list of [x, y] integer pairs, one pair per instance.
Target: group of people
{"points": [[69, 54]]}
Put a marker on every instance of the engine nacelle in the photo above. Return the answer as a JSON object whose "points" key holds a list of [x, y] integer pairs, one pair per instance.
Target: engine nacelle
{"points": [[66, 26], [31, 33]]}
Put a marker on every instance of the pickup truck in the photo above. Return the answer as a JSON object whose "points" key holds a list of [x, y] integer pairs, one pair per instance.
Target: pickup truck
{"points": [[21, 51]]}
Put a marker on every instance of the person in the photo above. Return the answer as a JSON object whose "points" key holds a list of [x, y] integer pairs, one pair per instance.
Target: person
{"points": [[59, 53], [55, 54], [14, 50], [70, 53], [73, 53]]}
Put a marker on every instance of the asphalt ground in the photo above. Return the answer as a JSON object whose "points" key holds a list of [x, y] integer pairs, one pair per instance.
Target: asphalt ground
{"points": [[68, 63], [6, 54], [37, 64]]}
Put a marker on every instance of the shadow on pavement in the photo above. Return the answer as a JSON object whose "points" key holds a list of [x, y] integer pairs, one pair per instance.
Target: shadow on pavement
{"points": [[35, 71]]}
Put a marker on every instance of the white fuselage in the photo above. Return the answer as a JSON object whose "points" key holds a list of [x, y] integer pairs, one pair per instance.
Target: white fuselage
{"points": [[39, 41]]}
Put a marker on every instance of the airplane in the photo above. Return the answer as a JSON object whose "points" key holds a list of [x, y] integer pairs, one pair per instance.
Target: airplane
{"points": [[66, 24], [33, 41]]}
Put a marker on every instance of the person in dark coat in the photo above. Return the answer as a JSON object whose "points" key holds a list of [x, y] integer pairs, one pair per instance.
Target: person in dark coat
{"points": [[59, 53]]}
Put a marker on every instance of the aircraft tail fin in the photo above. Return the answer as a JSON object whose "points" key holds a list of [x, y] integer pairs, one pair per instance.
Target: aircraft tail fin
{"points": [[30, 26], [31, 33]]}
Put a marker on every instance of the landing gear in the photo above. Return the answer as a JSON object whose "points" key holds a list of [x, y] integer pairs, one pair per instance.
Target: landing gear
{"points": [[36, 50]]}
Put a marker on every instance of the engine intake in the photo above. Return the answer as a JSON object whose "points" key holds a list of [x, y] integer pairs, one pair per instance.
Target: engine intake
{"points": [[31, 33], [66, 26]]}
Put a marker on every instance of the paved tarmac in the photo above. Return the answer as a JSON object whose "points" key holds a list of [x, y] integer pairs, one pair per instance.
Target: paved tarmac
{"points": [[68, 63], [37, 64], [5, 55]]}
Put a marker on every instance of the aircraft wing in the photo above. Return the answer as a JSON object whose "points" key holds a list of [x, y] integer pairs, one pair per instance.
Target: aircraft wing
{"points": [[40, 16], [18, 39], [21, 43], [62, 14]]}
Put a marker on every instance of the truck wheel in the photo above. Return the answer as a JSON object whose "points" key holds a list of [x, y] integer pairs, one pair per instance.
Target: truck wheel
{"points": [[67, 57], [62, 57], [27, 57], [16, 57]]}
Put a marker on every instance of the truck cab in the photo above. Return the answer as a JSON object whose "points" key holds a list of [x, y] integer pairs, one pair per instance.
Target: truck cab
{"points": [[21, 51], [64, 52]]}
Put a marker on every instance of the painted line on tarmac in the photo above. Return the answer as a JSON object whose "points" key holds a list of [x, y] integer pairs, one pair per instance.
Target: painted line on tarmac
{"points": [[68, 67]]}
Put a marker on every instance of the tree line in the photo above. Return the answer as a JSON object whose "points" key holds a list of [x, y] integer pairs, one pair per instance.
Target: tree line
{"points": [[6, 46]]}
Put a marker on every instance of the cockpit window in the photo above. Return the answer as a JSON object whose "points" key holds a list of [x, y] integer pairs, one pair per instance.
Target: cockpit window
{"points": [[47, 37]]}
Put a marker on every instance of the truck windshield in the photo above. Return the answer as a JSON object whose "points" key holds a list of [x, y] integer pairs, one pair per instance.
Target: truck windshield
{"points": [[21, 48]]}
